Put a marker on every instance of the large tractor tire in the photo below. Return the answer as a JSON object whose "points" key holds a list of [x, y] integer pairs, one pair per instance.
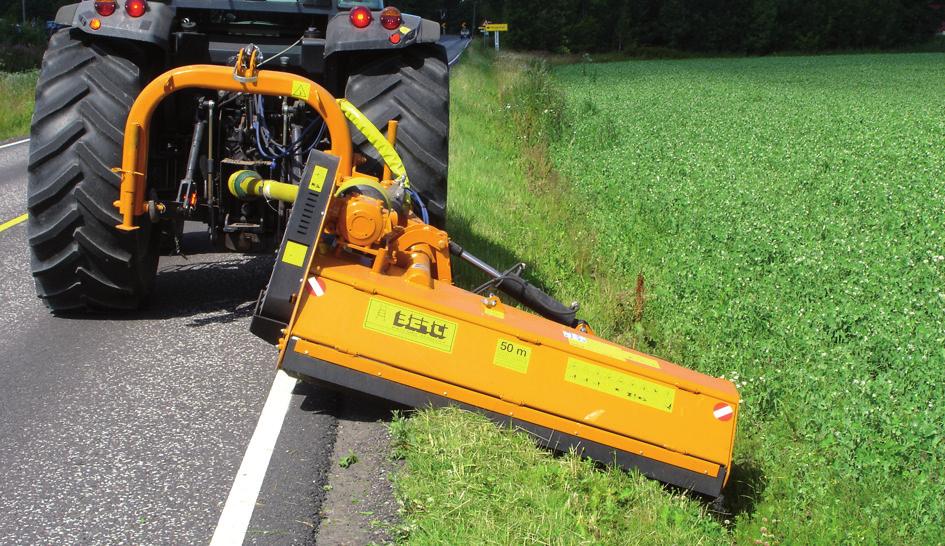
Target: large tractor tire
{"points": [[79, 260], [411, 87]]}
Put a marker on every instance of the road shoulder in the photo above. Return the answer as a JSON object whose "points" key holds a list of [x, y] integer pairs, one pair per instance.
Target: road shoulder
{"points": [[360, 507]]}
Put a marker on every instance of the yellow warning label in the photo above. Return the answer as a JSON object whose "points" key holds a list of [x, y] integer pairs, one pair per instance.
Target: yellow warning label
{"points": [[301, 90], [619, 384], [317, 181], [512, 355], [493, 312], [410, 325], [606, 349], [294, 253], [405, 30]]}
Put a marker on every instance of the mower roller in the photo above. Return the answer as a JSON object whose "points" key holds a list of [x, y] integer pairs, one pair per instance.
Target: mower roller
{"points": [[361, 297]]}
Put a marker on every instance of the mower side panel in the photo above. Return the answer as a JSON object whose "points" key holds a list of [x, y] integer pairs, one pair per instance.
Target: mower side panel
{"points": [[274, 308], [343, 36], [153, 27], [444, 342], [303, 366]]}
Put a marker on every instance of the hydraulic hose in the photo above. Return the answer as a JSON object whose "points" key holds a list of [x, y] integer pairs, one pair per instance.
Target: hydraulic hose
{"points": [[521, 290], [374, 136]]}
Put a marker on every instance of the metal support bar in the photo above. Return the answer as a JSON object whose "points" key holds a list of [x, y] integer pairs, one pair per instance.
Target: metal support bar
{"points": [[186, 185], [460, 252], [280, 84]]}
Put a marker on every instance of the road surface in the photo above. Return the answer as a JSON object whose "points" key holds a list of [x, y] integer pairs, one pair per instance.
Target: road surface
{"points": [[131, 428]]}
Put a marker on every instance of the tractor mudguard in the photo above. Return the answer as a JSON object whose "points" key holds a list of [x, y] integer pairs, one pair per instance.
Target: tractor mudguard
{"points": [[343, 36], [153, 27]]}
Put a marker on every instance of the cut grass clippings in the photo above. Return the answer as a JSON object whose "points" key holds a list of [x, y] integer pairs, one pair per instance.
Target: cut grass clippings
{"points": [[785, 220], [17, 90], [465, 481]]}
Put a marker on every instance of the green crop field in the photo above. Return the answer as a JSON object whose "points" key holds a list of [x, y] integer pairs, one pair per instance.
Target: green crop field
{"points": [[787, 218]]}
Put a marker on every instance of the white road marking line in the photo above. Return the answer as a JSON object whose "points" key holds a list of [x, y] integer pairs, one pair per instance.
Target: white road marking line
{"points": [[17, 143], [460, 54], [238, 510]]}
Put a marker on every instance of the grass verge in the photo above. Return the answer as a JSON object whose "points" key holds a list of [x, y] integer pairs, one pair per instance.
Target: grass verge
{"points": [[785, 215], [17, 89], [464, 480]]}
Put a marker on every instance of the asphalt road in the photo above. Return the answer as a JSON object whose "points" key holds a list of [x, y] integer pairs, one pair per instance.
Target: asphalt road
{"points": [[131, 428]]}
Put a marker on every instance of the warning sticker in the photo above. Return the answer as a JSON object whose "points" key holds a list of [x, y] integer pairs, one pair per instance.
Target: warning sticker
{"points": [[316, 286], [606, 349], [723, 412], [493, 312], [410, 325], [294, 253], [301, 90], [317, 181], [619, 384], [512, 355]]}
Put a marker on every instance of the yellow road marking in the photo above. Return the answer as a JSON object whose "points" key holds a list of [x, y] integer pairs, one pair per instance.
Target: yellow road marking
{"points": [[18, 220]]}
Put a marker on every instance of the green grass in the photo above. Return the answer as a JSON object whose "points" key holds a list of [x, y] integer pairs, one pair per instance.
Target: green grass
{"points": [[17, 90], [787, 215]]}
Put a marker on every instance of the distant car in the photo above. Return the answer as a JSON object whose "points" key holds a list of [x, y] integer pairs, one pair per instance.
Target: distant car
{"points": [[464, 33]]}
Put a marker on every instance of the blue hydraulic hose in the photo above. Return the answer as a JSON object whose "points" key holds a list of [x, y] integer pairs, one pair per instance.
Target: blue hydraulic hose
{"points": [[263, 136], [424, 214]]}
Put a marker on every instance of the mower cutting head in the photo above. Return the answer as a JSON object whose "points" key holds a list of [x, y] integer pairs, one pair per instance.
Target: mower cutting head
{"points": [[361, 296]]}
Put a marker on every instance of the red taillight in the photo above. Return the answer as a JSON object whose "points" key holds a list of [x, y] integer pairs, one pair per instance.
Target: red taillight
{"points": [[361, 17], [390, 18], [105, 8], [136, 8]]}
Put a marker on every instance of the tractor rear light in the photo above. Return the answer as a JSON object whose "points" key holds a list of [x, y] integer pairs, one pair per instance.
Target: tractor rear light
{"points": [[395, 38], [136, 8], [361, 17], [96, 24], [390, 18], [106, 7]]}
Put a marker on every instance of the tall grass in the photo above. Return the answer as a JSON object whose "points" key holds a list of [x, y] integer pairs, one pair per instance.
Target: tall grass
{"points": [[17, 90]]}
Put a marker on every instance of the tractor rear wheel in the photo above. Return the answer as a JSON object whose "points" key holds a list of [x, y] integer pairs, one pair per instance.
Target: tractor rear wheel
{"points": [[412, 87], [79, 260]]}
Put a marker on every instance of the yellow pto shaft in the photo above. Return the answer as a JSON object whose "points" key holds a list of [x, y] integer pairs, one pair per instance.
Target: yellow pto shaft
{"points": [[250, 185]]}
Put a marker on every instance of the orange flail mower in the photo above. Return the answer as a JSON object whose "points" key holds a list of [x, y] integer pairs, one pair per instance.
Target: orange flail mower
{"points": [[362, 297]]}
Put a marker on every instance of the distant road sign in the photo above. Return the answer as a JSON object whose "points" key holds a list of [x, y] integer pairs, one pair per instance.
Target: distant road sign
{"points": [[496, 27]]}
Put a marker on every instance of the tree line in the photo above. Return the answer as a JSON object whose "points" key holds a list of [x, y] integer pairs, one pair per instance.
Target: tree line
{"points": [[738, 26]]}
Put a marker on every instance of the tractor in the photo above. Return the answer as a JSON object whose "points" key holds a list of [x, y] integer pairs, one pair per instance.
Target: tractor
{"points": [[387, 63]]}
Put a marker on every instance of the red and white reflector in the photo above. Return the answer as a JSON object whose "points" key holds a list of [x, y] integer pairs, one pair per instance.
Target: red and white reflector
{"points": [[316, 287], [723, 412]]}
